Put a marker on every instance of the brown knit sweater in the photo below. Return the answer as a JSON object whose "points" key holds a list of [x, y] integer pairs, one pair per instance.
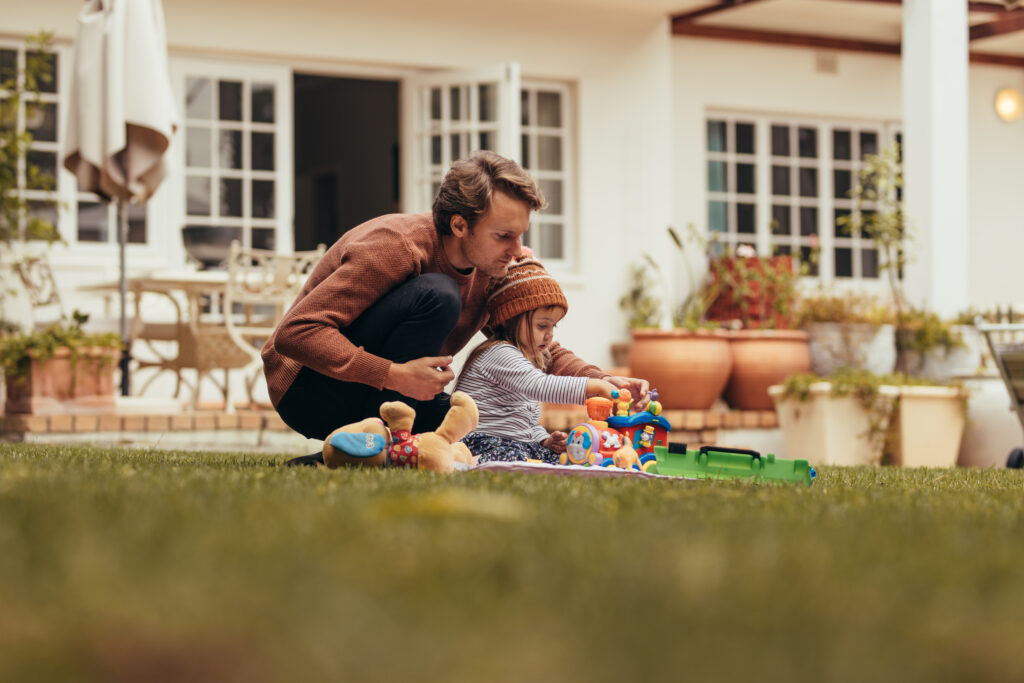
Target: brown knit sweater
{"points": [[365, 264]]}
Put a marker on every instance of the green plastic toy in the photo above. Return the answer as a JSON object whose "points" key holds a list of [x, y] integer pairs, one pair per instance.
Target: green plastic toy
{"points": [[717, 462]]}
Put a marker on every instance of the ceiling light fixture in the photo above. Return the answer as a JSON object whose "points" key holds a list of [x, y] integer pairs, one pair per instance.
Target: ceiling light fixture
{"points": [[1009, 105]]}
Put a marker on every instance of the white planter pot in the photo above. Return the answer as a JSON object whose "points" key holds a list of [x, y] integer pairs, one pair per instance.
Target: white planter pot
{"points": [[992, 428], [941, 365], [931, 425], [856, 345], [831, 430]]}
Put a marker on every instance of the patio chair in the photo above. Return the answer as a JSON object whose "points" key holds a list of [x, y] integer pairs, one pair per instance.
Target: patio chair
{"points": [[41, 289], [261, 286]]}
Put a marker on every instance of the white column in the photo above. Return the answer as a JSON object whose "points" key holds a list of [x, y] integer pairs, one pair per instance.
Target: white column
{"points": [[935, 58]]}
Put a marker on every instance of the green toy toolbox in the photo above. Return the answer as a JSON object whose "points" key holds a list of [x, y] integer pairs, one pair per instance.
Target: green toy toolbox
{"points": [[717, 462]]}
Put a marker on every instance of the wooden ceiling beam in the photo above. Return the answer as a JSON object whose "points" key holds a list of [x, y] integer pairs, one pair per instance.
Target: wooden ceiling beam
{"points": [[1009, 24], [720, 6]]}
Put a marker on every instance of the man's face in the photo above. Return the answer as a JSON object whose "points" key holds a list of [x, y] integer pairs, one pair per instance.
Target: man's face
{"points": [[496, 239]]}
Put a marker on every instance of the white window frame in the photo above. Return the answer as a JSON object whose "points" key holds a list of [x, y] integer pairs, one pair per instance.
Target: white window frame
{"points": [[531, 132], [826, 204], [280, 75]]}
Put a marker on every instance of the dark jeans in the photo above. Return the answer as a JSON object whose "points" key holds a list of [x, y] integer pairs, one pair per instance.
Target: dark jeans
{"points": [[411, 321]]}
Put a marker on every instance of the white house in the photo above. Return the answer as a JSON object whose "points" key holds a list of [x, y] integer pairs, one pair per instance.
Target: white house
{"points": [[302, 119]]}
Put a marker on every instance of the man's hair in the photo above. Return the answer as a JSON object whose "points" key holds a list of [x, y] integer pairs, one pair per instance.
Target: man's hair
{"points": [[470, 184]]}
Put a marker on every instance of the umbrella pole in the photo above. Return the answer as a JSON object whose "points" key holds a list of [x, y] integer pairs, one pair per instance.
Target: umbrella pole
{"points": [[122, 239]]}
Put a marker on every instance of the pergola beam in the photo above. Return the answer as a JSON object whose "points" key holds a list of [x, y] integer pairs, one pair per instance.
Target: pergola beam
{"points": [[1011, 23], [721, 6]]}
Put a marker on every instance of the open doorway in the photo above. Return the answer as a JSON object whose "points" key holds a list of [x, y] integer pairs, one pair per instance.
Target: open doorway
{"points": [[346, 155]]}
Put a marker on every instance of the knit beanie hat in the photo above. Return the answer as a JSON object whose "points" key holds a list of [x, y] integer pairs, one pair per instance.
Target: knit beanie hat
{"points": [[524, 287]]}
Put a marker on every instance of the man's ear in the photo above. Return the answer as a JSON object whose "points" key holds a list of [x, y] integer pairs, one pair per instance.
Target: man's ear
{"points": [[459, 226]]}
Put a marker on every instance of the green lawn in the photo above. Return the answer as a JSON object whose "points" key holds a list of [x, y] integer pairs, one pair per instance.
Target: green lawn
{"points": [[142, 566]]}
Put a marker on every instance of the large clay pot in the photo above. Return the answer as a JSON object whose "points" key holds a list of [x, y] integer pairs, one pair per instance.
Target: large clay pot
{"points": [[689, 369], [761, 358], [60, 384]]}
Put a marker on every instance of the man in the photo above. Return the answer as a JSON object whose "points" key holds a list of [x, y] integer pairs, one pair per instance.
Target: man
{"points": [[395, 298]]}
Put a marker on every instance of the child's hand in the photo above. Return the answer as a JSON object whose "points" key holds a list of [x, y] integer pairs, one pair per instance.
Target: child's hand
{"points": [[556, 442], [600, 387]]}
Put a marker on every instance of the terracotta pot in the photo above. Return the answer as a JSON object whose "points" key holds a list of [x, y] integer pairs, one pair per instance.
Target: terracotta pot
{"points": [[689, 369], [58, 385], [761, 358]]}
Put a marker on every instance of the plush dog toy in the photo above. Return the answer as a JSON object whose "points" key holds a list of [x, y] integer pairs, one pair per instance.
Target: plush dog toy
{"points": [[389, 442]]}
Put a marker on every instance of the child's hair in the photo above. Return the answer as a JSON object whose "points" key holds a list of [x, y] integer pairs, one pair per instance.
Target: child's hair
{"points": [[512, 301]]}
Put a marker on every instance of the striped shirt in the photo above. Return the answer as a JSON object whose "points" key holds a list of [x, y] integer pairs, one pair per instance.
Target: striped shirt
{"points": [[508, 390]]}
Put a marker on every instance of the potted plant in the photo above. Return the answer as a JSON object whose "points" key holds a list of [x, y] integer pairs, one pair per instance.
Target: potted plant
{"points": [[758, 293], [849, 329], [937, 349], [690, 361], [58, 369]]}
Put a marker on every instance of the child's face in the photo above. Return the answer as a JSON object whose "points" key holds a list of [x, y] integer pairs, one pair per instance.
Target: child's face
{"points": [[542, 330]]}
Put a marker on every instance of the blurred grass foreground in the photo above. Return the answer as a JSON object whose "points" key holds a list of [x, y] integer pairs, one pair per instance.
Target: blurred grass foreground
{"points": [[120, 565]]}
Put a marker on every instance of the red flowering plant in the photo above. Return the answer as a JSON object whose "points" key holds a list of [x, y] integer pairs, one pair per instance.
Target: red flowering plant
{"points": [[757, 291]]}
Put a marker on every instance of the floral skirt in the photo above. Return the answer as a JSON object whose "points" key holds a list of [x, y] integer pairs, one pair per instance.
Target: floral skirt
{"points": [[488, 448]]}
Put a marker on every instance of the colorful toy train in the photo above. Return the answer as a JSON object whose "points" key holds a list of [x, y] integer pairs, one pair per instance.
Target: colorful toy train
{"points": [[613, 436]]}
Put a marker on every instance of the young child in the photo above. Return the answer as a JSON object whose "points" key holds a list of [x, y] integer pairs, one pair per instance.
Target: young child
{"points": [[508, 375]]}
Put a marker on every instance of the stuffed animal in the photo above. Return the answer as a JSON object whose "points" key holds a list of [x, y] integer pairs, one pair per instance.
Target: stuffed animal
{"points": [[376, 443]]}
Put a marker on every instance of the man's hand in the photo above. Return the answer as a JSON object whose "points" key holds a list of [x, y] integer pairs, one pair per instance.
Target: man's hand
{"points": [[637, 389], [422, 378], [556, 442]]}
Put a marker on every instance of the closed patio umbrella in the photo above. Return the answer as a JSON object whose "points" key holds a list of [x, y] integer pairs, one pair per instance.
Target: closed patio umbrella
{"points": [[122, 114]]}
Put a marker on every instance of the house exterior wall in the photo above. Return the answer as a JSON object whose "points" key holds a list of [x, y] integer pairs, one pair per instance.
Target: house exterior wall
{"points": [[616, 56], [713, 74]]}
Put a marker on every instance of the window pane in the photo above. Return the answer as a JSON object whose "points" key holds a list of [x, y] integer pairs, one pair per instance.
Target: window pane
{"points": [[717, 217], [263, 238], [8, 65], [745, 138], [197, 196], [807, 256], [230, 96], [808, 182], [136, 223], [808, 142], [198, 98], [716, 176], [435, 149], [263, 102], [524, 107], [231, 197], [840, 230], [486, 140], [198, 151], [525, 151], [488, 102], [551, 240], [455, 105], [47, 211], [263, 151], [549, 109], [716, 136], [780, 220], [263, 199], [42, 170], [780, 181], [745, 218], [49, 83], [841, 183], [867, 216], [435, 104], [552, 190], [92, 222], [808, 220], [869, 263], [229, 148], [868, 144], [844, 262], [41, 121], [456, 147], [745, 178], [780, 141], [841, 145], [549, 153]]}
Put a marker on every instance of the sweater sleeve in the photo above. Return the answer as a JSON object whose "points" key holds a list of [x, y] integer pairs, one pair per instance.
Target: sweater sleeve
{"points": [[310, 332], [565, 362], [505, 365]]}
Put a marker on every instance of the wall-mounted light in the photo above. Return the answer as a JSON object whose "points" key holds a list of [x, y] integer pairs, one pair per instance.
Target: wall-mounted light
{"points": [[1009, 105]]}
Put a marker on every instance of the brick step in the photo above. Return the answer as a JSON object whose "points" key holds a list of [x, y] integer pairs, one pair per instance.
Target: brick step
{"points": [[86, 423], [561, 417]]}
